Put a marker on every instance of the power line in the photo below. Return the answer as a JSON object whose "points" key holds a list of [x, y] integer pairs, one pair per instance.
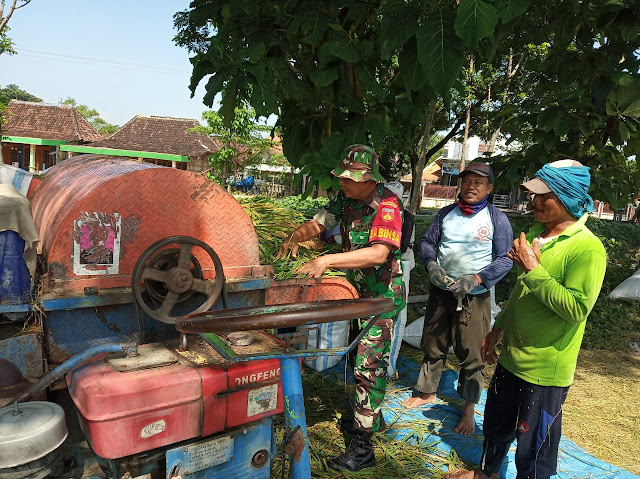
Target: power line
{"points": [[89, 60]]}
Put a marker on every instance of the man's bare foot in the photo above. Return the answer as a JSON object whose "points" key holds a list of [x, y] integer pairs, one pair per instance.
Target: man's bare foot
{"points": [[467, 423], [460, 474], [419, 400]]}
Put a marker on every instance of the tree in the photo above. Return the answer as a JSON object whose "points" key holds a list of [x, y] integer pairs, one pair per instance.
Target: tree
{"points": [[14, 92], [6, 45], [242, 143], [92, 116], [321, 69], [583, 96], [8, 93], [389, 73]]}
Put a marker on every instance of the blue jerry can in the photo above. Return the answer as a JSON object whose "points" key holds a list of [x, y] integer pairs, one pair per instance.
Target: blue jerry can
{"points": [[15, 281]]}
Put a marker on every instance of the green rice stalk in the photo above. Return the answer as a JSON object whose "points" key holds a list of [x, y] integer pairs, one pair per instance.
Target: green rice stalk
{"points": [[325, 401], [273, 224]]}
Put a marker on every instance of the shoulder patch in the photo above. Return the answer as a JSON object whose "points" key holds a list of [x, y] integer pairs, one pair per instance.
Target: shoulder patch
{"points": [[388, 214]]}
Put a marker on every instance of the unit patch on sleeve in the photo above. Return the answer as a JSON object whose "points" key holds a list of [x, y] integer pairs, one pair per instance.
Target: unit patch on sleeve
{"points": [[387, 224], [388, 214]]}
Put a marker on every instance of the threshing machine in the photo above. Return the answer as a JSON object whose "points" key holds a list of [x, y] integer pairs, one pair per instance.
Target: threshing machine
{"points": [[147, 329]]}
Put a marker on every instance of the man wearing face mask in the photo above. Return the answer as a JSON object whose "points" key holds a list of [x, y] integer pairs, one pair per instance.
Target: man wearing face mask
{"points": [[465, 252], [541, 327], [370, 217]]}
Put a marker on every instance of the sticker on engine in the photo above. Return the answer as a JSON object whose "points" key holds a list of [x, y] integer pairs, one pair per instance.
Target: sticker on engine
{"points": [[203, 455], [154, 428], [262, 400]]}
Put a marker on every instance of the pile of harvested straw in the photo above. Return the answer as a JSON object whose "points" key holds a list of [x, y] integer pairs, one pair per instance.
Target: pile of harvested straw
{"points": [[273, 224]]}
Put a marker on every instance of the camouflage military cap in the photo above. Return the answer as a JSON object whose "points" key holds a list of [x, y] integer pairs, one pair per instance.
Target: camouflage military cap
{"points": [[360, 163]]}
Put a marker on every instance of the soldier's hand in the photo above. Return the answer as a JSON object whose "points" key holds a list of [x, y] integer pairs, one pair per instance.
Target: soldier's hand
{"points": [[437, 275], [290, 245], [314, 268]]}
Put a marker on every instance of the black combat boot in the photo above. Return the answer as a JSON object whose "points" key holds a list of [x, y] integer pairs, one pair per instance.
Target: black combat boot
{"points": [[358, 455], [345, 424]]}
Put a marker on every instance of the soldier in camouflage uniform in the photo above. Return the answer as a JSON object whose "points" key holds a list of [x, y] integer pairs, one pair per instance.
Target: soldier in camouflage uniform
{"points": [[370, 218]]}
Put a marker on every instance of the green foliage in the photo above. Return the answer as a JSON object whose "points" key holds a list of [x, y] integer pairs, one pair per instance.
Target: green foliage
{"points": [[6, 45], [3, 120], [333, 75], [583, 97], [419, 282], [354, 72], [297, 202], [242, 142], [14, 92], [611, 325], [92, 116]]}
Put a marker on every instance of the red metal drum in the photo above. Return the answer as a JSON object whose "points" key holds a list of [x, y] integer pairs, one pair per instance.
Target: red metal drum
{"points": [[96, 215]]}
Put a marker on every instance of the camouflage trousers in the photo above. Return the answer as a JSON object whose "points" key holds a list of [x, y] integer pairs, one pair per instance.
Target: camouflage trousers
{"points": [[370, 373]]}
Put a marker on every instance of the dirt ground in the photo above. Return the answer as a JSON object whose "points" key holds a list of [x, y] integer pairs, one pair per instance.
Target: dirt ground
{"points": [[602, 411]]}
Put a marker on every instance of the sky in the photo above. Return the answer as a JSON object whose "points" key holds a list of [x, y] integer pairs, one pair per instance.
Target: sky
{"points": [[116, 56]]}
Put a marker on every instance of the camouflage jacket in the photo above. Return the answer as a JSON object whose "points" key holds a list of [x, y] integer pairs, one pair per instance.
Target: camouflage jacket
{"points": [[378, 219]]}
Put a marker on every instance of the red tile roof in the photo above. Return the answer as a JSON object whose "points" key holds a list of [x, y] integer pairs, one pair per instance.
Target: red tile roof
{"points": [[276, 148], [160, 134], [431, 174], [48, 121], [439, 191]]}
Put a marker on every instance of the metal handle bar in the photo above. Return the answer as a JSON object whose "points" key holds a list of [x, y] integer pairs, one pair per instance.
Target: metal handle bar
{"points": [[283, 315]]}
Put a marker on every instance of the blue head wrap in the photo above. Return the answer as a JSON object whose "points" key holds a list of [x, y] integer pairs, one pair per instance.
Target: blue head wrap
{"points": [[571, 185]]}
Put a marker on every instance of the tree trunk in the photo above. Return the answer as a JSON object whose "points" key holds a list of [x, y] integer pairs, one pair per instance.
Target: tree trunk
{"points": [[428, 155], [488, 110], [511, 72], [4, 19], [225, 173], [417, 168], [466, 123]]}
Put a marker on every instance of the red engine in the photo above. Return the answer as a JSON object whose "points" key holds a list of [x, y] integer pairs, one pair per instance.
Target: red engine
{"points": [[164, 396]]}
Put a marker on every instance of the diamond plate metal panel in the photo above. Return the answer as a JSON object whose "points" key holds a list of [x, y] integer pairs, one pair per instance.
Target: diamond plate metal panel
{"points": [[153, 202], [305, 290], [24, 351]]}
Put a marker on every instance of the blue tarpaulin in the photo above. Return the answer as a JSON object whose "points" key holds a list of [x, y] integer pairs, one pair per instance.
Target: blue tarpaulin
{"points": [[574, 462]]}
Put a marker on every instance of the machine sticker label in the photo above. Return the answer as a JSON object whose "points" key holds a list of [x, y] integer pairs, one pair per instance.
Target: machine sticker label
{"points": [[152, 429], [197, 457], [256, 377], [262, 400], [96, 243]]}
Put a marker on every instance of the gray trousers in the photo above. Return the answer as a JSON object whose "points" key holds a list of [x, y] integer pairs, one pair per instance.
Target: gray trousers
{"points": [[464, 330]]}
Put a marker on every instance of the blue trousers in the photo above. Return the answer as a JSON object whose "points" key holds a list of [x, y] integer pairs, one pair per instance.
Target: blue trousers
{"points": [[531, 414]]}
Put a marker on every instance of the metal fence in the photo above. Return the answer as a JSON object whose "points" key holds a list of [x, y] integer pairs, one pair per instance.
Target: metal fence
{"points": [[502, 201]]}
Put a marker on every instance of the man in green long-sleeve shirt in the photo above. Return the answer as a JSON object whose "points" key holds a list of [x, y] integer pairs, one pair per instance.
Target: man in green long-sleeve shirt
{"points": [[541, 327]]}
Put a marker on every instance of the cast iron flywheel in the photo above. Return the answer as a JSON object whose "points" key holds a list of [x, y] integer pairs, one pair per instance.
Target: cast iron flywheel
{"points": [[170, 273]]}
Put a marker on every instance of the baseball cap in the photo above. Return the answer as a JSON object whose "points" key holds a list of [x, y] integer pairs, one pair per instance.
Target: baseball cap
{"points": [[478, 168], [360, 163], [539, 187]]}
